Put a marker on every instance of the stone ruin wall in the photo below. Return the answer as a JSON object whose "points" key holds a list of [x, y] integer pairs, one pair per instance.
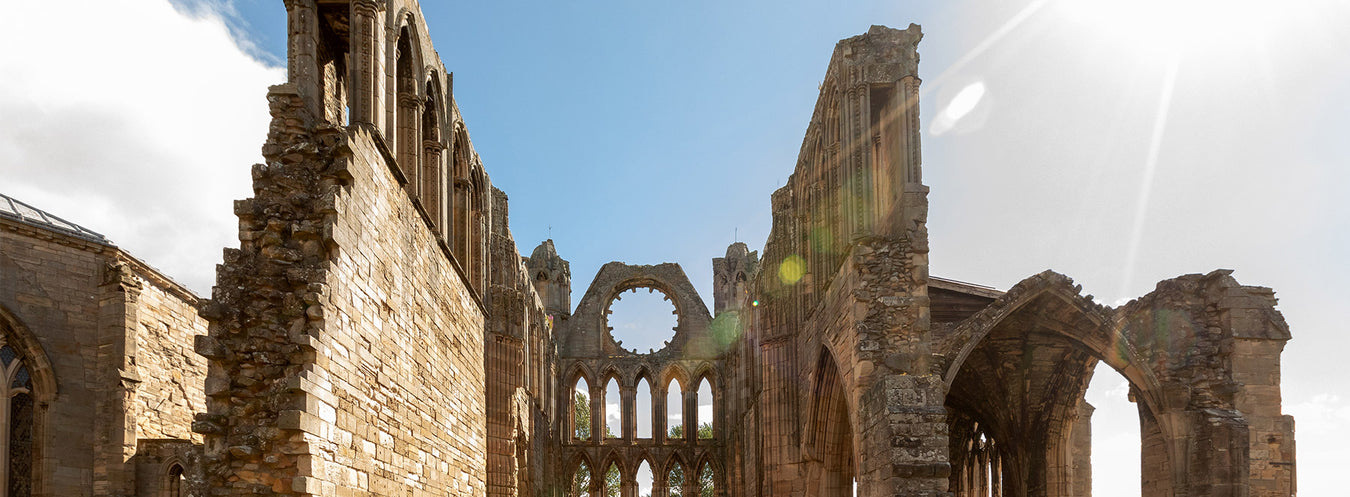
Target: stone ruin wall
{"points": [[376, 287], [171, 372], [849, 360]]}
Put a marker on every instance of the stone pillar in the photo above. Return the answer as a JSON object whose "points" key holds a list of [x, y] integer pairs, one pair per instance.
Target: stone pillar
{"points": [[660, 415], [628, 410], [302, 63], [690, 420], [366, 38], [1217, 466], [115, 438]]}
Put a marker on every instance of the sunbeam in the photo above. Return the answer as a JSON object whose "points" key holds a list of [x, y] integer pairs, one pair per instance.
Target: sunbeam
{"points": [[1150, 167]]}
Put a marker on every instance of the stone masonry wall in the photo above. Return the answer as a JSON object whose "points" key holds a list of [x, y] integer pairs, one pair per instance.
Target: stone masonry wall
{"points": [[346, 350], [407, 350], [172, 374], [45, 285]]}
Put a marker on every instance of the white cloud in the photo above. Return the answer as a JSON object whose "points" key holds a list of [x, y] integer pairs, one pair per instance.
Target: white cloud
{"points": [[135, 121]]}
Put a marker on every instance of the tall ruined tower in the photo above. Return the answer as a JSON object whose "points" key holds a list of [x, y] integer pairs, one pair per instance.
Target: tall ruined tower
{"points": [[552, 279], [731, 278]]}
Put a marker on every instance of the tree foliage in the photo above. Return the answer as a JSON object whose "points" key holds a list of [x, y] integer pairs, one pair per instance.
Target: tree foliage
{"points": [[705, 430]]}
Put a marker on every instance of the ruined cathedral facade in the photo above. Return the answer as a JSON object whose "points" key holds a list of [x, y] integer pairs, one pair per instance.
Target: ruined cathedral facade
{"points": [[377, 333]]}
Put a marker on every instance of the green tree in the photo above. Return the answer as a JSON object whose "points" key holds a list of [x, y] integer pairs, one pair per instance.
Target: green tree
{"points": [[705, 430], [581, 481], [675, 480], [612, 481], [581, 416], [705, 481]]}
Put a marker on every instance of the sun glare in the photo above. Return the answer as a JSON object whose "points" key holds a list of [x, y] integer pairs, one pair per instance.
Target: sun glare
{"points": [[1171, 27]]}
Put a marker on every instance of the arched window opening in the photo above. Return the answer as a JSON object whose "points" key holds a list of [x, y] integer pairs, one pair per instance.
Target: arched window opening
{"points": [[176, 482], [432, 169], [1115, 453], [705, 410], [644, 479], [613, 481], [706, 485], [643, 409], [581, 481], [675, 480], [581, 410], [613, 410], [407, 138], [17, 407], [459, 195], [674, 410]]}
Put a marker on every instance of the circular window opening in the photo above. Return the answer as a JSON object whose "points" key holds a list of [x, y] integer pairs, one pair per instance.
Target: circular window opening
{"points": [[642, 320]]}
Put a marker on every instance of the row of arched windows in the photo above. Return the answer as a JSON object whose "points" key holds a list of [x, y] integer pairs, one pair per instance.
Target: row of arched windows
{"points": [[675, 481], [451, 190], [612, 413]]}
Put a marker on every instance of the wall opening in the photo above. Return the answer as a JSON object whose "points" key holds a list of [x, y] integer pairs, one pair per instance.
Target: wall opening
{"points": [[581, 410], [705, 410], [643, 409], [613, 410], [176, 482], [675, 480], [707, 486], [674, 410], [642, 320], [406, 137], [644, 479], [1115, 436], [581, 481], [613, 481]]}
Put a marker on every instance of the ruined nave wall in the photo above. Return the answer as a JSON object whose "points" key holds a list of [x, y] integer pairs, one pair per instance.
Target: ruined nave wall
{"points": [[346, 347]]}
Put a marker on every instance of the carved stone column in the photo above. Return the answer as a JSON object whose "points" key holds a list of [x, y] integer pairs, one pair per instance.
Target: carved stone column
{"points": [[367, 21]]}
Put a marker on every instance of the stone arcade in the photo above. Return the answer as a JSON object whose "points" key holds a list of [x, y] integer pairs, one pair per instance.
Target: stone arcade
{"points": [[376, 331]]}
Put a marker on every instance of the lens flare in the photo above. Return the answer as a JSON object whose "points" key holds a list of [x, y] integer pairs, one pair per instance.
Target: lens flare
{"points": [[791, 270]]}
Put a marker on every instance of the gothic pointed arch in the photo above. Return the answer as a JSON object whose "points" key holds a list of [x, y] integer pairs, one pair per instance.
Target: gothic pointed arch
{"points": [[26, 344], [1074, 317], [30, 387], [407, 102], [433, 146], [828, 444]]}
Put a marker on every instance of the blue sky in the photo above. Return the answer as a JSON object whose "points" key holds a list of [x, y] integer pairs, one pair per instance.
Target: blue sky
{"points": [[1117, 142]]}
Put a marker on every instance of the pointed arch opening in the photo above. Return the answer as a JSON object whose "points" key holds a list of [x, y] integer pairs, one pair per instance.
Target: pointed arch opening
{"points": [[707, 480], [433, 166], [706, 413], [675, 410], [675, 480], [644, 478], [30, 385], [831, 464], [175, 484], [581, 409], [580, 485], [613, 482], [613, 409], [407, 139], [642, 410], [1018, 429]]}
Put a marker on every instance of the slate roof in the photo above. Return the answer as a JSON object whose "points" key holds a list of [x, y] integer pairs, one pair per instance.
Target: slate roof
{"points": [[32, 216]]}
